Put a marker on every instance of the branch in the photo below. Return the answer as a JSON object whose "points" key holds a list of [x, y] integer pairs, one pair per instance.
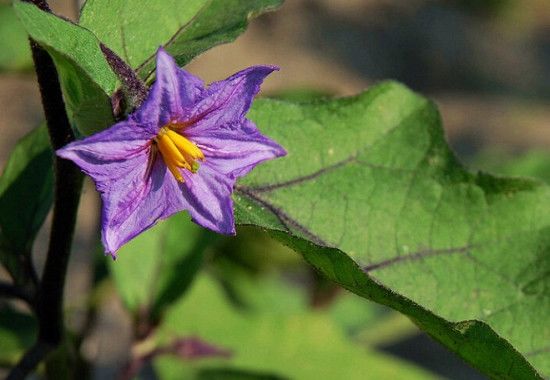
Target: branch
{"points": [[68, 183], [30, 361], [12, 291]]}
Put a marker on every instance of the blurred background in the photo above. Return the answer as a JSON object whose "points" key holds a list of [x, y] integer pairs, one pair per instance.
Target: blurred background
{"points": [[486, 63]]}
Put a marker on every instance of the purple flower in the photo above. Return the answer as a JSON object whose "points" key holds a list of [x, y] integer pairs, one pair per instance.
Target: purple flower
{"points": [[182, 149]]}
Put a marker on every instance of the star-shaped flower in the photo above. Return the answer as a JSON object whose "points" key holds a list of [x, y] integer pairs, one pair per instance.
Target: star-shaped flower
{"points": [[182, 149]]}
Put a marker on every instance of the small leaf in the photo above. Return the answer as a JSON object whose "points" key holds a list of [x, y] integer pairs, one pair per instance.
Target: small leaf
{"points": [[156, 268], [86, 78], [372, 196], [26, 194], [135, 30], [15, 53]]}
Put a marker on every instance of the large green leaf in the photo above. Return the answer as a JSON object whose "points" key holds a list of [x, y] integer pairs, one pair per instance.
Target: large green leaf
{"points": [[372, 196], [280, 341], [121, 25], [156, 268], [135, 30], [86, 78], [14, 48], [26, 194]]}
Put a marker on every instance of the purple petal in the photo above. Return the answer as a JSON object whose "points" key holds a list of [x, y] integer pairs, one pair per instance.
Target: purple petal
{"points": [[135, 204], [207, 197], [134, 197], [171, 96], [229, 100], [110, 154], [236, 149]]}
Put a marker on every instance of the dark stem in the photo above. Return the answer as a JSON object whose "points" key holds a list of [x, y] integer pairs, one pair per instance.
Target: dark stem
{"points": [[12, 291], [30, 361], [68, 183]]}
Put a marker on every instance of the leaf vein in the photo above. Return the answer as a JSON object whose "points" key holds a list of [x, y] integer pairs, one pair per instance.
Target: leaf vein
{"points": [[417, 256], [283, 217]]}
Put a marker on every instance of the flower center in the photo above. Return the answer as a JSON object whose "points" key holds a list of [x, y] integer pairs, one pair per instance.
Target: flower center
{"points": [[177, 152]]}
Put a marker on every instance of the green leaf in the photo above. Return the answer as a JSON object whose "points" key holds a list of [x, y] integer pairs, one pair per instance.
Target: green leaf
{"points": [[373, 198], [283, 342], [88, 106], [17, 333], [15, 53], [535, 164], [156, 268], [26, 194], [86, 78], [370, 323], [135, 30]]}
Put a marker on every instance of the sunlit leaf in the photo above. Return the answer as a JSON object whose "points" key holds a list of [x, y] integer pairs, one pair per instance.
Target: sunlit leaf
{"points": [[372, 197], [15, 53], [136, 29], [86, 78]]}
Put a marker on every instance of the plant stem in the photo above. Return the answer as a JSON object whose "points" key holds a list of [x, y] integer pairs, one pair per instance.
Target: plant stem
{"points": [[29, 361], [134, 89], [12, 291], [68, 183]]}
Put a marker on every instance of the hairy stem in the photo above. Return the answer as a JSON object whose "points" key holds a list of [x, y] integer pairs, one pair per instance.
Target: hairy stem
{"points": [[133, 88], [68, 183]]}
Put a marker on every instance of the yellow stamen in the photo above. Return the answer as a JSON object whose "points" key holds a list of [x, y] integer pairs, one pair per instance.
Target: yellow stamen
{"points": [[177, 152], [185, 146], [169, 160]]}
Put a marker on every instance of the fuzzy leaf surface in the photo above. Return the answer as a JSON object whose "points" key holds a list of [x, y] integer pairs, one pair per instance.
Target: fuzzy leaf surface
{"points": [[372, 196], [135, 30]]}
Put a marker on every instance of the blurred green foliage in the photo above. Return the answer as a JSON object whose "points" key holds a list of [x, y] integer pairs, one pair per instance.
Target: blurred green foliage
{"points": [[15, 54], [27, 179], [17, 333], [276, 335], [534, 164]]}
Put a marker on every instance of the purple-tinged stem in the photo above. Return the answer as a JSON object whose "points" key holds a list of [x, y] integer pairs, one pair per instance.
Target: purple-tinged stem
{"points": [[17, 292], [68, 183], [133, 88]]}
